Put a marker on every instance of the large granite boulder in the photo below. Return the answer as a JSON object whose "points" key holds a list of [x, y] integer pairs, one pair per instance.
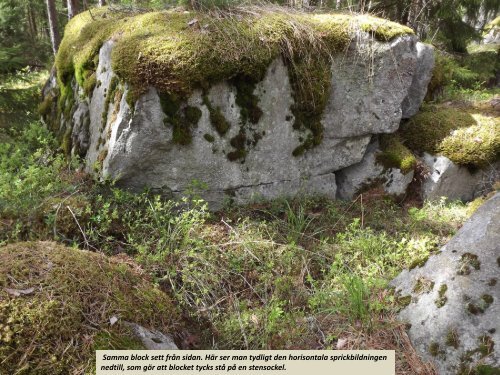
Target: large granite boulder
{"points": [[135, 140], [454, 310]]}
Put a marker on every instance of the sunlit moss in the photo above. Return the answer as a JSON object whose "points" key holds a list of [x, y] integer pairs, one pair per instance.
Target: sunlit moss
{"points": [[461, 134], [394, 154]]}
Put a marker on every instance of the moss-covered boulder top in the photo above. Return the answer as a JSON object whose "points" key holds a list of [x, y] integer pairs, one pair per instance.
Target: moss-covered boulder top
{"points": [[177, 51], [56, 304]]}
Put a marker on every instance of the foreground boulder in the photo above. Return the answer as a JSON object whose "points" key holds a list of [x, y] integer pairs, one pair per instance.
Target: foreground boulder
{"points": [[454, 308], [58, 305], [274, 108]]}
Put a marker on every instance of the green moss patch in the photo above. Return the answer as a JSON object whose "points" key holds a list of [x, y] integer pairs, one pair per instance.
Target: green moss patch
{"points": [[423, 285], [394, 154], [485, 348], [110, 97], [435, 349], [246, 99], [452, 339], [442, 299], [66, 301], [217, 119], [182, 118], [384, 30], [464, 135], [468, 262]]}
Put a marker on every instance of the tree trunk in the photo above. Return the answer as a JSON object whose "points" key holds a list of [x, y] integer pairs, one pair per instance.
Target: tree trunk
{"points": [[31, 22], [102, 3], [72, 8], [54, 32]]}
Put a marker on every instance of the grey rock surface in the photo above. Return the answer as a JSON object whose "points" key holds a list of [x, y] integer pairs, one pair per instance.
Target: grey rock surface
{"points": [[152, 339], [397, 182], [493, 36], [369, 83], [452, 181], [454, 310], [421, 78], [368, 172]]}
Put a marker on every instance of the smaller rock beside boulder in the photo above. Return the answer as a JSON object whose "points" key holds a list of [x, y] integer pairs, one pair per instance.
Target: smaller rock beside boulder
{"points": [[454, 310], [446, 179]]}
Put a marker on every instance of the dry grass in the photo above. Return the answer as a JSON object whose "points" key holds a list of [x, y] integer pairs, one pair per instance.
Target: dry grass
{"points": [[391, 336]]}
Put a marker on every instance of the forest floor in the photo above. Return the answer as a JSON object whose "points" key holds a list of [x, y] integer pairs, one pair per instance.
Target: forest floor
{"points": [[302, 273]]}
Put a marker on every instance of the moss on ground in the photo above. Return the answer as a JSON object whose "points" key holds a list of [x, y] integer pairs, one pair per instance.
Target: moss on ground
{"points": [[178, 51], [452, 338], [464, 135], [69, 297], [394, 154]]}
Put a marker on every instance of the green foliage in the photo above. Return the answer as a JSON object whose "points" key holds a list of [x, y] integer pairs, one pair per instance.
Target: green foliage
{"points": [[463, 76], [483, 66], [255, 277], [441, 75], [19, 96], [29, 171], [22, 41]]}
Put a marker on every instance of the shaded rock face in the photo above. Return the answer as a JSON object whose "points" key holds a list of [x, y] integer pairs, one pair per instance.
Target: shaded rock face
{"points": [[367, 172], [137, 149], [421, 79], [455, 182], [455, 311]]}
